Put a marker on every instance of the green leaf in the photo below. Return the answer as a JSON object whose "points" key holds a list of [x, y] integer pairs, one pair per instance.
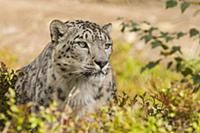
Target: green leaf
{"points": [[134, 27], [165, 53], [168, 38], [156, 43], [124, 26], [187, 71], [176, 49], [171, 3], [169, 64], [184, 6], [178, 59], [193, 32], [147, 38], [150, 30], [164, 46], [150, 65], [179, 35], [196, 79]]}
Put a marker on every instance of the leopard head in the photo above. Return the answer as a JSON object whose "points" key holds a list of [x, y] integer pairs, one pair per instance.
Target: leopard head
{"points": [[81, 48]]}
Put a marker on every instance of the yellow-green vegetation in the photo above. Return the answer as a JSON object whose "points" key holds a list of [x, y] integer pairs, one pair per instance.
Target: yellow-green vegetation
{"points": [[128, 73], [152, 97], [171, 110], [147, 102]]}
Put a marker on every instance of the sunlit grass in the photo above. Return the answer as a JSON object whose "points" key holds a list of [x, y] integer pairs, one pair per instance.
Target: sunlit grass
{"points": [[127, 69]]}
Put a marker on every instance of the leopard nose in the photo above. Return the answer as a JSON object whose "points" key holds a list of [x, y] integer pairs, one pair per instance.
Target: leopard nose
{"points": [[101, 64]]}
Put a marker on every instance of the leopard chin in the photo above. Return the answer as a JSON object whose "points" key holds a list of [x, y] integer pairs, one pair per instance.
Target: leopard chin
{"points": [[98, 73], [98, 77]]}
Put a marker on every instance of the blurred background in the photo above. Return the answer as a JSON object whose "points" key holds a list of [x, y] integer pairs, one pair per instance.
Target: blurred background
{"points": [[162, 38], [24, 32]]}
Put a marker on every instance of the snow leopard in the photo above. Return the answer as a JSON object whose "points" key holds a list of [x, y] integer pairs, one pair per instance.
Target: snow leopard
{"points": [[73, 69]]}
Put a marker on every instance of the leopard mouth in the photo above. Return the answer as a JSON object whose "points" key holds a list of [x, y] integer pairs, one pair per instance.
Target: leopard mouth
{"points": [[99, 73]]}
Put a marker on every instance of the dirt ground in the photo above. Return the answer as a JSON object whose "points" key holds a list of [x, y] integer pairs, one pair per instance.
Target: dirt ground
{"points": [[24, 23]]}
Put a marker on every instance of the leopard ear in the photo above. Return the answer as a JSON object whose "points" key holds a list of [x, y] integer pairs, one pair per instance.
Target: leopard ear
{"points": [[57, 30], [107, 27]]}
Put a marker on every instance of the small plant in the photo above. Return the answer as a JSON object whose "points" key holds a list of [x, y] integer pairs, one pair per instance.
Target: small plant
{"points": [[144, 113], [170, 54], [174, 108], [7, 79]]}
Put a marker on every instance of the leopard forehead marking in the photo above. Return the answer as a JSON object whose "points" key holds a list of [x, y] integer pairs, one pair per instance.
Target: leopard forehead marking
{"points": [[88, 30], [69, 55]]}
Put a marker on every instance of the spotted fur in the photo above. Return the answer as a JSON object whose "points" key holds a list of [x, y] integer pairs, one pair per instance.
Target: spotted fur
{"points": [[73, 69]]}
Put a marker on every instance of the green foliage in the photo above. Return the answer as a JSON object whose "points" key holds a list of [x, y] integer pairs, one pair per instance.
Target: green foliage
{"points": [[158, 109], [178, 101], [150, 65], [128, 74], [174, 109], [162, 41], [7, 79], [183, 5], [151, 98], [171, 3], [193, 32]]}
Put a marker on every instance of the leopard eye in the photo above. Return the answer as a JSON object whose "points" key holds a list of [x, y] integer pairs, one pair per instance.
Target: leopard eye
{"points": [[82, 44], [108, 45]]}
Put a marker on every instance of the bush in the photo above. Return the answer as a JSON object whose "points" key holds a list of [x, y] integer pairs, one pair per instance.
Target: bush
{"points": [[7, 80], [171, 108], [174, 109]]}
